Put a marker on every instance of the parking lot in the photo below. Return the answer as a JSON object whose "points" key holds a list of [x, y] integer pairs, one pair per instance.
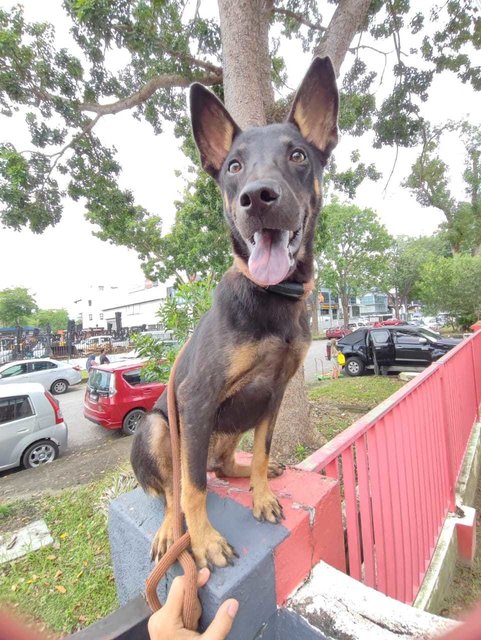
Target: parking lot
{"points": [[93, 450]]}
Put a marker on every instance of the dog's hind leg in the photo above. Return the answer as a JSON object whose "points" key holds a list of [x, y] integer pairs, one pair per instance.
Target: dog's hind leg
{"points": [[225, 465], [151, 460], [265, 504]]}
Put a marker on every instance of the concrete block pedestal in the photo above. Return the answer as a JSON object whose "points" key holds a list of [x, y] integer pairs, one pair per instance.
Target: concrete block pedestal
{"points": [[274, 559]]}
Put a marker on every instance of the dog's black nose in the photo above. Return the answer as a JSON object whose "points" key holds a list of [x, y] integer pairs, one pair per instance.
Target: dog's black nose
{"points": [[259, 195]]}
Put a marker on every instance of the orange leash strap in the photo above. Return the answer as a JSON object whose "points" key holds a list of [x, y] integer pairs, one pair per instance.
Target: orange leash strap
{"points": [[178, 551]]}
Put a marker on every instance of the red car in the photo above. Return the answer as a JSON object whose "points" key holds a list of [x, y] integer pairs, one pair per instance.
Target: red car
{"points": [[391, 322], [116, 396], [337, 333]]}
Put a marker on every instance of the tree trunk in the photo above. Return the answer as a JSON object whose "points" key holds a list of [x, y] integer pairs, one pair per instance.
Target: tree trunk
{"points": [[248, 92], [315, 312], [345, 309], [249, 98], [345, 23], [397, 303]]}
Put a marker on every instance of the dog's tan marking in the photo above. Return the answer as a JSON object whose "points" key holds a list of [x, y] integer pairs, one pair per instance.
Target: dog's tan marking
{"points": [[265, 504], [286, 139], [317, 187], [240, 371], [317, 128], [228, 135], [226, 202]]}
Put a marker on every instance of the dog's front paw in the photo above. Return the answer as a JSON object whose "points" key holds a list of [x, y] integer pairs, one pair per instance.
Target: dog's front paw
{"points": [[212, 549], [162, 541], [267, 507], [275, 469]]}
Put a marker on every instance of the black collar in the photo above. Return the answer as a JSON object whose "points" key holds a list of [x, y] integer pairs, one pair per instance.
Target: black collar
{"points": [[288, 289]]}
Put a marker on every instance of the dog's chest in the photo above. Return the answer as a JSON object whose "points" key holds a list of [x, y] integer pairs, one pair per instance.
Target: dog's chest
{"points": [[271, 360], [257, 377]]}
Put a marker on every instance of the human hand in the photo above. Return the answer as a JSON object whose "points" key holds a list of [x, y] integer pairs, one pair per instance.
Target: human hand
{"points": [[167, 624]]}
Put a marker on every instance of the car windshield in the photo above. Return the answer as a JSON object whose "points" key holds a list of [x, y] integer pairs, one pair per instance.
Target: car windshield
{"points": [[430, 335], [99, 380]]}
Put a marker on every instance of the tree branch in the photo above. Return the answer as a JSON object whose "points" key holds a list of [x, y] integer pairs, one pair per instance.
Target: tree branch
{"points": [[166, 81], [298, 18], [202, 64], [87, 129], [348, 18]]}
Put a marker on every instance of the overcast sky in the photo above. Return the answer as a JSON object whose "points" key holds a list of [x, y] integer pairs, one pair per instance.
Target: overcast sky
{"points": [[57, 265]]}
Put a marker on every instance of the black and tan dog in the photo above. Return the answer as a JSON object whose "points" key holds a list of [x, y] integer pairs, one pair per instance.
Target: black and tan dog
{"points": [[232, 375]]}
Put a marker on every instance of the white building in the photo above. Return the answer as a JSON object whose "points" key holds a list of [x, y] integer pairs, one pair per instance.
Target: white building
{"points": [[88, 310], [138, 306]]}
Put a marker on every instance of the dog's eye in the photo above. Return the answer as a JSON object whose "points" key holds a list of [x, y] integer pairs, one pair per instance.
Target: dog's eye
{"points": [[297, 156], [234, 166]]}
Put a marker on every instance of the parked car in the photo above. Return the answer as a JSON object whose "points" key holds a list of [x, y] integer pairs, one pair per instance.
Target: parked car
{"points": [[337, 332], [430, 323], [398, 348], [32, 429], [355, 325], [53, 375], [392, 322], [117, 397]]}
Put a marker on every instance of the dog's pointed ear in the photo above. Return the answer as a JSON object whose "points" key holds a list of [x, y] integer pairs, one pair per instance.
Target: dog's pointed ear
{"points": [[316, 106], [213, 128]]}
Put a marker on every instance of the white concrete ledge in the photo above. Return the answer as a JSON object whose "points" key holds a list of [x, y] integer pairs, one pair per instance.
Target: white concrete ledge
{"points": [[341, 607]]}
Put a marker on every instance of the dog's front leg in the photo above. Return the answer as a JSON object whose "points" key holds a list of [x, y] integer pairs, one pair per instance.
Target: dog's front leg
{"points": [[208, 546], [265, 504]]}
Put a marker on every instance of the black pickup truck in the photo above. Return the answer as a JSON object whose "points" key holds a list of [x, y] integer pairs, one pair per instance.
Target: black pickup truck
{"points": [[397, 348]]}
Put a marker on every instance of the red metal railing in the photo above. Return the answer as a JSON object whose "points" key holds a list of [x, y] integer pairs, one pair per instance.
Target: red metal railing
{"points": [[398, 467]]}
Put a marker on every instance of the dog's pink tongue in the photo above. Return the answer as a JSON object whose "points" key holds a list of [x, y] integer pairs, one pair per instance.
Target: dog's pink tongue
{"points": [[269, 262]]}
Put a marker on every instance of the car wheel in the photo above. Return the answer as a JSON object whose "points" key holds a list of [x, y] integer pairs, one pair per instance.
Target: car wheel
{"points": [[131, 420], [59, 386], [42, 452], [354, 367]]}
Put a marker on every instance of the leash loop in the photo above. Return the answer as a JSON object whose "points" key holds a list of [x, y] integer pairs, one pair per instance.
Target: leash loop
{"points": [[178, 551]]}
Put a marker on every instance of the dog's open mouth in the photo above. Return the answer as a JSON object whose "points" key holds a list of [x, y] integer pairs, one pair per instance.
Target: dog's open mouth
{"points": [[272, 255]]}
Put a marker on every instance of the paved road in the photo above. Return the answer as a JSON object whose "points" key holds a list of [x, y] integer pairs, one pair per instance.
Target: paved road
{"points": [[316, 361], [81, 432]]}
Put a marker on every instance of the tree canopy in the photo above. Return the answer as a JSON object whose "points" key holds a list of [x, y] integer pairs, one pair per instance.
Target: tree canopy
{"points": [[452, 285], [55, 319], [429, 181], [16, 306], [354, 255], [64, 91], [404, 265]]}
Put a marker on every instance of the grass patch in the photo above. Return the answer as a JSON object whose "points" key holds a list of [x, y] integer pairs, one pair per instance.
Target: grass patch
{"points": [[5, 510], [365, 391], [70, 584], [336, 404]]}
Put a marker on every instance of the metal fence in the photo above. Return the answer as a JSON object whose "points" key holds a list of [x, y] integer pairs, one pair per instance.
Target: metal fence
{"points": [[398, 467], [36, 344]]}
